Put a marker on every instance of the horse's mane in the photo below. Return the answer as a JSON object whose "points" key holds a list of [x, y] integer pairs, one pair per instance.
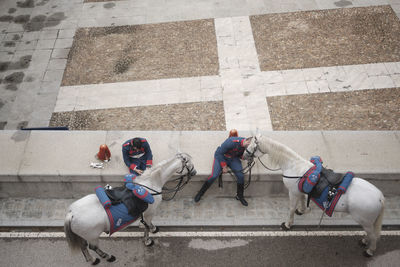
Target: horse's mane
{"points": [[149, 172], [279, 154]]}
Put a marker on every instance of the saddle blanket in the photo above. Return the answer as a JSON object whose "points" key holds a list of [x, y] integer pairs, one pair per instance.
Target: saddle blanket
{"points": [[324, 201], [119, 217]]}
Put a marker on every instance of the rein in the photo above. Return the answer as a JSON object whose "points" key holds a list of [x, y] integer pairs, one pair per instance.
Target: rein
{"points": [[177, 188], [247, 169], [252, 156]]}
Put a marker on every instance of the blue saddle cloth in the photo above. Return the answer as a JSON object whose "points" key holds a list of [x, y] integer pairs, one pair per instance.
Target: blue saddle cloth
{"points": [[327, 204], [119, 217]]}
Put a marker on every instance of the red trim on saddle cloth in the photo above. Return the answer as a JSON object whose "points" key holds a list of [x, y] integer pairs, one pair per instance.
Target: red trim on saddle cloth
{"points": [[110, 217], [149, 162], [304, 177], [112, 223], [331, 208]]}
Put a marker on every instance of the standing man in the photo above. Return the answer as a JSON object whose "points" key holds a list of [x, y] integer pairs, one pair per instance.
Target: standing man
{"points": [[137, 155], [228, 155]]}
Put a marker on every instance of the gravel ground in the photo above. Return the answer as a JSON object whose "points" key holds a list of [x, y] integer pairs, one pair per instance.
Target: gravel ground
{"points": [[199, 116], [142, 52], [327, 38], [358, 110]]}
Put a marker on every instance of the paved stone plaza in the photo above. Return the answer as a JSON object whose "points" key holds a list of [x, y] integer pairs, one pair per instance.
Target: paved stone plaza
{"points": [[78, 62]]}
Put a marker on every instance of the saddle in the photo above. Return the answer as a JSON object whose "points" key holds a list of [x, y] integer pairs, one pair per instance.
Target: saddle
{"points": [[327, 178], [135, 205]]}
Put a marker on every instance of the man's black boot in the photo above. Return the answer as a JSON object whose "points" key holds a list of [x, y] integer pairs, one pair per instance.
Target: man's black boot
{"points": [[239, 196], [203, 189]]}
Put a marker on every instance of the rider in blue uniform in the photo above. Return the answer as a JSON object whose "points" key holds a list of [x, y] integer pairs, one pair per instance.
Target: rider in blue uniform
{"points": [[228, 155], [137, 155]]}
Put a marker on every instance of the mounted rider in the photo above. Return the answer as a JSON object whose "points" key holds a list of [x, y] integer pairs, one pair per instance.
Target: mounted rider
{"points": [[228, 155], [137, 155]]}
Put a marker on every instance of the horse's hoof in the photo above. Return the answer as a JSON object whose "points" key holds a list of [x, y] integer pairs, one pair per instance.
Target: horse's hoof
{"points": [[156, 229], [298, 212], [284, 228], [149, 243], [97, 261], [111, 259], [362, 244], [367, 254]]}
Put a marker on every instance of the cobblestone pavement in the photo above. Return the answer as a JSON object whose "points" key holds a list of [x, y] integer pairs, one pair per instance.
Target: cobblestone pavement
{"points": [[39, 40]]}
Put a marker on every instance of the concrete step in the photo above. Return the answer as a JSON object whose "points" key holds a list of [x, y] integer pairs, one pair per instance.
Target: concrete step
{"points": [[55, 164], [212, 210]]}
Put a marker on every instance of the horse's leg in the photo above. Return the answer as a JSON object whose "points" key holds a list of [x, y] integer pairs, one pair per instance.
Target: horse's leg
{"points": [[303, 209], [94, 245], [152, 228], [147, 240], [370, 240], [87, 255], [293, 199]]}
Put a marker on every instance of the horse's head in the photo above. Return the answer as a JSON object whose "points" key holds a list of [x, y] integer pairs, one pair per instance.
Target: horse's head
{"points": [[187, 165], [252, 150]]}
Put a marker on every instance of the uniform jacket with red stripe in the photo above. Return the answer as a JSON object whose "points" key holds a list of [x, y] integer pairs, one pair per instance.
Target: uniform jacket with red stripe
{"points": [[232, 147], [144, 153]]}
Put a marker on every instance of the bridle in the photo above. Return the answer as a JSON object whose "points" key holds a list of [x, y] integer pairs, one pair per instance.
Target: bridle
{"points": [[252, 155], [181, 180]]}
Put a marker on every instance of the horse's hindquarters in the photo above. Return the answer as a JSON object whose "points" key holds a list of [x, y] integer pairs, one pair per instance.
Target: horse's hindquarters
{"points": [[89, 219], [362, 200]]}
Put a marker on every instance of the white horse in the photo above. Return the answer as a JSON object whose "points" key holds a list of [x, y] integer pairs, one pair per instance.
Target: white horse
{"points": [[86, 218], [362, 200]]}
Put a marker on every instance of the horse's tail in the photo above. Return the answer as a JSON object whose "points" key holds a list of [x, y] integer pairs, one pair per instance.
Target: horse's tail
{"points": [[75, 242], [379, 219]]}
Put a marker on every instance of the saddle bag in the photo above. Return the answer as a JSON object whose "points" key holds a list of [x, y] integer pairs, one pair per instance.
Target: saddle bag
{"points": [[102, 196]]}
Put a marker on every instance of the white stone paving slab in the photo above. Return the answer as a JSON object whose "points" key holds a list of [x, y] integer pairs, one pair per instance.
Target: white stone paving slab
{"points": [[131, 94]]}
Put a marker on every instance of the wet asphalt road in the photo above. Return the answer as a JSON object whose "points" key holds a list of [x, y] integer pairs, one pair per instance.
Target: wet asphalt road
{"points": [[206, 251]]}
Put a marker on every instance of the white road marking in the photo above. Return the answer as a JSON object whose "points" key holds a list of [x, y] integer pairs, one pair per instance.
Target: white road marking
{"points": [[203, 234]]}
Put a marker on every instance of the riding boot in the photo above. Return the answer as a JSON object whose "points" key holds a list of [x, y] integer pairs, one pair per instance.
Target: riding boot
{"points": [[239, 196], [203, 189]]}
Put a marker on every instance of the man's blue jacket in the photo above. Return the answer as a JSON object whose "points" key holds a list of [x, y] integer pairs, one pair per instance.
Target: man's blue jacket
{"points": [[144, 154], [232, 147]]}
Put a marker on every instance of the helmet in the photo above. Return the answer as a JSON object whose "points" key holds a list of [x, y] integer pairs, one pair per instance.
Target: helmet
{"points": [[104, 153], [233, 133]]}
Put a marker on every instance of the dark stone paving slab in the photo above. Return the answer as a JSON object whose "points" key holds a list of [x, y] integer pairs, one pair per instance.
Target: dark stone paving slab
{"points": [[142, 52], [199, 116], [357, 110], [327, 38]]}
